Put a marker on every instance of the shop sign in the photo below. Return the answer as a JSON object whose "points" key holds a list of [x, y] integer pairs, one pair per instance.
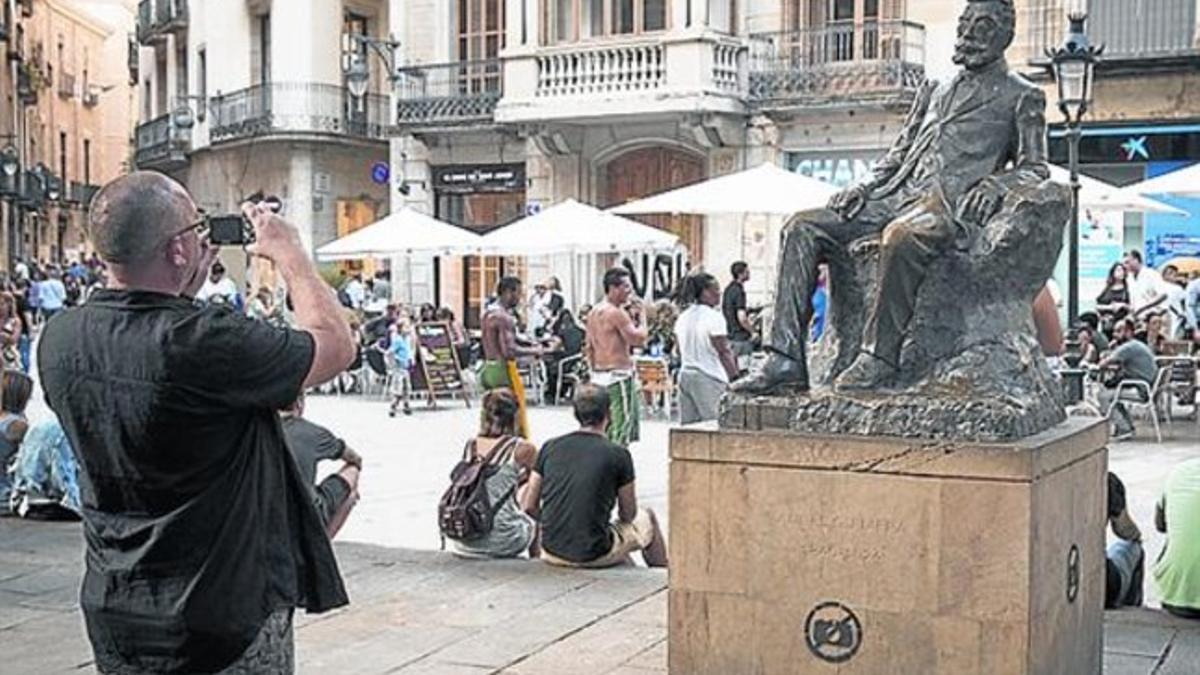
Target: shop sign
{"points": [[838, 168], [479, 178]]}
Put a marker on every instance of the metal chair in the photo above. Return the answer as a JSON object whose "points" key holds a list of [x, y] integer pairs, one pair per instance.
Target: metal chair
{"points": [[1146, 396], [571, 369], [1181, 381], [655, 378]]}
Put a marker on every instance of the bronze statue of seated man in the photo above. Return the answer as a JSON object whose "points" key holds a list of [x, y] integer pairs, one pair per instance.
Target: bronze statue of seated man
{"points": [[964, 146]]}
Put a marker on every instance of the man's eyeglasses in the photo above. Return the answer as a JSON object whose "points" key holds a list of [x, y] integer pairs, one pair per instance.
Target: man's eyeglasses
{"points": [[200, 225]]}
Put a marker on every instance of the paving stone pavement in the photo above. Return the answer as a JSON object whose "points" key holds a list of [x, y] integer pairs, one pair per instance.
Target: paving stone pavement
{"points": [[428, 613]]}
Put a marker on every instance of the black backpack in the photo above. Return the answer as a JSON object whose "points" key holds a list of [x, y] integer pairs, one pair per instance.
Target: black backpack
{"points": [[465, 512]]}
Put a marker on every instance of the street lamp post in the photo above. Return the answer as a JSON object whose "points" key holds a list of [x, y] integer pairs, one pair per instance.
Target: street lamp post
{"points": [[354, 61], [1074, 64]]}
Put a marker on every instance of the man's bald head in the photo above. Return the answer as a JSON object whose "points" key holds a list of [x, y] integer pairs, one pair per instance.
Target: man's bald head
{"points": [[133, 216]]}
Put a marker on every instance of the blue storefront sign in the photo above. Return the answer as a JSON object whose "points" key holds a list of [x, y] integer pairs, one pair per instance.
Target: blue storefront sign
{"points": [[1172, 238]]}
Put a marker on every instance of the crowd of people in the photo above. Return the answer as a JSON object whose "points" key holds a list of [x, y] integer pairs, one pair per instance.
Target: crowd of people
{"points": [[231, 529], [1140, 317]]}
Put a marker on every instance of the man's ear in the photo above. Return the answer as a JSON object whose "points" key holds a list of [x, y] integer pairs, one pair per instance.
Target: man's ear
{"points": [[176, 253]]}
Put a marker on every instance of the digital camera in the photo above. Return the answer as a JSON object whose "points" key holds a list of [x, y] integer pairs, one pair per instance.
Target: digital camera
{"points": [[236, 229]]}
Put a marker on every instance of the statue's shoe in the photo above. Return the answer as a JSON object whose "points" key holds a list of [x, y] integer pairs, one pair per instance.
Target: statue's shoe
{"points": [[776, 373], [867, 372]]}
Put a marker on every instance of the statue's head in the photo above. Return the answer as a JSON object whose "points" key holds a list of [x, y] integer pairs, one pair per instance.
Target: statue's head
{"points": [[985, 29]]}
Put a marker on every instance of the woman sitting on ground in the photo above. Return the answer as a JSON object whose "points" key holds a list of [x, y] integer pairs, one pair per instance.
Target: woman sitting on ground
{"points": [[15, 389], [512, 530]]}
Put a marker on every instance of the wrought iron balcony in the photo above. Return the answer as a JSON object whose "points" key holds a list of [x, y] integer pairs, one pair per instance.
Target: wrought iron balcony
{"points": [[82, 193], [158, 18], [162, 145], [465, 92], [27, 90], [1144, 32], [31, 192], [838, 64], [66, 84], [298, 108]]}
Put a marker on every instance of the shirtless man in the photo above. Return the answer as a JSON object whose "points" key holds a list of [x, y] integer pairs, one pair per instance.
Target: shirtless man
{"points": [[613, 330], [500, 348]]}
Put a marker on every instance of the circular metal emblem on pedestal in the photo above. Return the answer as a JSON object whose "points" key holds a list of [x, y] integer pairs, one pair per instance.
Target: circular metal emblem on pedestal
{"points": [[1072, 573], [832, 632]]}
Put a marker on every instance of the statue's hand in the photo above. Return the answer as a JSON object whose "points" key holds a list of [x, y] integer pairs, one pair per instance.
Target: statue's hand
{"points": [[849, 202], [981, 202]]}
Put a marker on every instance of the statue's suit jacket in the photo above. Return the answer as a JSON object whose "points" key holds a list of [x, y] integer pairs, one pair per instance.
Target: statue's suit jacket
{"points": [[986, 125]]}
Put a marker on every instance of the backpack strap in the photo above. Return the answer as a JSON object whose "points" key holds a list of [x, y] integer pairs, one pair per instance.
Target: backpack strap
{"points": [[501, 449], [469, 450]]}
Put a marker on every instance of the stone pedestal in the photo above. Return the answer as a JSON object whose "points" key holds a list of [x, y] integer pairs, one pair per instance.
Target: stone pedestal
{"points": [[795, 553]]}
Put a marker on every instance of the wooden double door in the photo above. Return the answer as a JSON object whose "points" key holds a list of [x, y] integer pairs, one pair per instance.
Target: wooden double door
{"points": [[647, 171]]}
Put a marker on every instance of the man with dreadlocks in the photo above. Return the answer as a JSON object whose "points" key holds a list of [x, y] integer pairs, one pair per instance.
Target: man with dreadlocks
{"points": [[707, 363]]}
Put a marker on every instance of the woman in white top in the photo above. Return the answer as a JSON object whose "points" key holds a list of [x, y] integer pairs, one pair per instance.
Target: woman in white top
{"points": [[707, 363]]}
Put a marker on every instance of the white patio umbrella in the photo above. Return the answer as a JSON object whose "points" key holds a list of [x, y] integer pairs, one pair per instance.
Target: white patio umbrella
{"points": [[765, 189], [1097, 195], [572, 227], [405, 232], [1183, 182]]}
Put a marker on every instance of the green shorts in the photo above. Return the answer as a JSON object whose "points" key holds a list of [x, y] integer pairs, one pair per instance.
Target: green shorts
{"points": [[494, 375], [625, 407]]}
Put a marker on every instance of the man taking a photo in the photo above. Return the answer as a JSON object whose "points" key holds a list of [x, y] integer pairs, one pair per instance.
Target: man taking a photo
{"points": [[201, 534]]}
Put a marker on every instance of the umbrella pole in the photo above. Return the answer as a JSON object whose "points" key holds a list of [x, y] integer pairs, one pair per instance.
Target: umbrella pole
{"points": [[408, 267]]}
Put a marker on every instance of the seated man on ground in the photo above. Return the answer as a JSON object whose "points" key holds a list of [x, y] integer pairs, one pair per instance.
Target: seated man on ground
{"points": [[310, 443], [1125, 560], [577, 481], [1130, 360], [499, 444], [1177, 571]]}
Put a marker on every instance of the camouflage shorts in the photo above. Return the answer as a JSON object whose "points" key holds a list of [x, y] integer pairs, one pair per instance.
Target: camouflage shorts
{"points": [[271, 653]]}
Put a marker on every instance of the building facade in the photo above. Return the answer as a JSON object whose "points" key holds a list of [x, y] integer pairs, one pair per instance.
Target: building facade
{"points": [[246, 96], [64, 123], [606, 101], [1144, 121]]}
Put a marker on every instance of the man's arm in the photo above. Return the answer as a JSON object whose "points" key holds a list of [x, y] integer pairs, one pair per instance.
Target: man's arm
{"points": [[886, 168], [848, 203], [728, 360], [627, 502], [1191, 304], [509, 346], [1028, 164], [1160, 296], [634, 335], [315, 305], [533, 496], [743, 318]]}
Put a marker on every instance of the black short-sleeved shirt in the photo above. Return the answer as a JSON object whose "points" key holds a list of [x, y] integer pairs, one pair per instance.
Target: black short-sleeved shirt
{"points": [[733, 300], [310, 443], [197, 522], [581, 473]]}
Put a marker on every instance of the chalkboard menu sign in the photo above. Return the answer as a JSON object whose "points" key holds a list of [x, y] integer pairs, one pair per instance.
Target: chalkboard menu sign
{"points": [[439, 367]]}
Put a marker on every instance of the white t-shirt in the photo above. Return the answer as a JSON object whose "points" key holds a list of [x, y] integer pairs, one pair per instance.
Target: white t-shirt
{"points": [[694, 330], [357, 292], [1145, 287], [225, 288]]}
